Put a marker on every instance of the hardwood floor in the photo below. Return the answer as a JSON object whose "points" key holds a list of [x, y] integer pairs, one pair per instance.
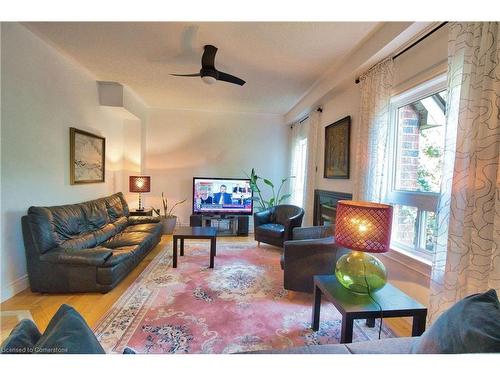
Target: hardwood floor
{"points": [[93, 306]]}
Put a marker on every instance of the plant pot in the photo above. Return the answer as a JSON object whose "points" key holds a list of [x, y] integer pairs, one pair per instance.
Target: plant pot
{"points": [[168, 224]]}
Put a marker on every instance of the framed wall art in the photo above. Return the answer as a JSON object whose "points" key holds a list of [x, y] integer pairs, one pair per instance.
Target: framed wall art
{"points": [[337, 149], [87, 157]]}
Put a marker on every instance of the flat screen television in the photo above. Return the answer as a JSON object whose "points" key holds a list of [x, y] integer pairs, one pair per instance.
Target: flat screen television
{"points": [[222, 196]]}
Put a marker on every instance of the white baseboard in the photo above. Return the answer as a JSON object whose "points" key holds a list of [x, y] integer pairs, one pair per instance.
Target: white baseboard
{"points": [[14, 287]]}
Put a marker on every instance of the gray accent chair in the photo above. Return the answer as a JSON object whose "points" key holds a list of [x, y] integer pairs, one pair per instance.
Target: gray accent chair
{"points": [[311, 252], [85, 247], [275, 225]]}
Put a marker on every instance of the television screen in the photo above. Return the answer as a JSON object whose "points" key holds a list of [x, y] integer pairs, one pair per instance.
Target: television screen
{"points": [[222, 196]]}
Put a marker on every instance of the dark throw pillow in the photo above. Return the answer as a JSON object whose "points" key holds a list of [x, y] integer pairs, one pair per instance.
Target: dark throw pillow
{"points": [[472, 325], [22, 339], [68, 333]]}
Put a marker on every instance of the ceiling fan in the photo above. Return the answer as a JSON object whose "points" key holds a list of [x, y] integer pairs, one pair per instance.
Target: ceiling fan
{"points": [[208, 73]]}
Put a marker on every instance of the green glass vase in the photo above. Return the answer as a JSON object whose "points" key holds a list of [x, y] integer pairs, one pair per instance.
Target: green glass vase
{"points": [[360, 272]]}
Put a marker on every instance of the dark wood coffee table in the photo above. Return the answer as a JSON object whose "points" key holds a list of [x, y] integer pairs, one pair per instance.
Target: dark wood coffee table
{"points": [[184, 233], [352, 306]]}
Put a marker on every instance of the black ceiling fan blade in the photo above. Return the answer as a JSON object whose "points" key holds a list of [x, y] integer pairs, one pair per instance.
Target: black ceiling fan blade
{"points": [[229, 78], [186, 75], [208, 58]]}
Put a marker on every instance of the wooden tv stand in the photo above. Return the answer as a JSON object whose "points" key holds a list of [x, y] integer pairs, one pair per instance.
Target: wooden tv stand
{"points": [[226, 225]]}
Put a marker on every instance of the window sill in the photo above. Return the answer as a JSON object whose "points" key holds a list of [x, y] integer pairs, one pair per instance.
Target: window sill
{"points": [[410, 260]]}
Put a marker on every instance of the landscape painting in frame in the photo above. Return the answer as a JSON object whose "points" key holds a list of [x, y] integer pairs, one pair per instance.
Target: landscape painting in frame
{"points": [[87, 157], [337, 149]]}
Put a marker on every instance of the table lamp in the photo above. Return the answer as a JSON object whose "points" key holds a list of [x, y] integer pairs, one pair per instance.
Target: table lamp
{"points": [[140, 184], [363, 227]]}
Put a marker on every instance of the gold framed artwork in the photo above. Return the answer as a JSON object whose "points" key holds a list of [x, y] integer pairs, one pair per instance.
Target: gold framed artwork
{"points": [[337, 149], [87, 157]]}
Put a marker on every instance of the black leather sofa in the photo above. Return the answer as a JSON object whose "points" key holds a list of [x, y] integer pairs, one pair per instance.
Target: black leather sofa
{"points": [[85, 247], [275, 225]]}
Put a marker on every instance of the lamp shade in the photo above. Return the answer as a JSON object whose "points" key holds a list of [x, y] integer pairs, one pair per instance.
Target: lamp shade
{"points": [[363, 226], [140, 184]]}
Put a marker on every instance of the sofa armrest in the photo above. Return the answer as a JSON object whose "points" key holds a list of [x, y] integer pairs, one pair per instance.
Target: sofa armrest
{"points": [[262, 217], [133, 220], [310, 233], [96, 256]]}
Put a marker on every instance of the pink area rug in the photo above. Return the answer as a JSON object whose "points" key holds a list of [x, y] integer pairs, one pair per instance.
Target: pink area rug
{"points": [[240, 305]]}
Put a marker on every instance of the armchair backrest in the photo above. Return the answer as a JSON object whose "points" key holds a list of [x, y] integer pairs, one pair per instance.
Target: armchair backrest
{"points": [[286, 211]]}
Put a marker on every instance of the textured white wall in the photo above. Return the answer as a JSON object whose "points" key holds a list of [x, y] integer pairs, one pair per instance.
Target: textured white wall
{"points": [[183, 144], [43, 94]]}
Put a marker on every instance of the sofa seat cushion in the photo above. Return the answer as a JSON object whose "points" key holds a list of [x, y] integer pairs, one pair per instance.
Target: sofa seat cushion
{"points": [[125, 239], [149, 228], [120, 254], [95, 256], [271, 230], [310, 349], [398, 345]]}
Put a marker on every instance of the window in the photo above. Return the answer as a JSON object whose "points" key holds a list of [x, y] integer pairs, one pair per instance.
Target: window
{"points": [[418, 119], [299, 171]]}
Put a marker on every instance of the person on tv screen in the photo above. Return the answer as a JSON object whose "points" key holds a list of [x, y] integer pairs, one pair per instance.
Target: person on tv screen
{"points": [[205, 199], [222, 197]]}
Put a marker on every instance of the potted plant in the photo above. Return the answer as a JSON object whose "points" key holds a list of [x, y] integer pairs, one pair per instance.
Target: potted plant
{"points": [[168, 219], [276, 198]]}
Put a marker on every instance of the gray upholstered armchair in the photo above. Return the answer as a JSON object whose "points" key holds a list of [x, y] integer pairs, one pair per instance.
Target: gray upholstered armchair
{"points": [[311, 252], [274, 226]]}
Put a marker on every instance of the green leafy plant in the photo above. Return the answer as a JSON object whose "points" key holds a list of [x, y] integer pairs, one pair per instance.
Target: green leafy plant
{"points": [[166, 212], [275, 199]]}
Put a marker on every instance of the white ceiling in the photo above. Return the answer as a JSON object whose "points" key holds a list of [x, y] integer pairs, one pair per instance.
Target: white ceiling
{"points": [[279, 61]]}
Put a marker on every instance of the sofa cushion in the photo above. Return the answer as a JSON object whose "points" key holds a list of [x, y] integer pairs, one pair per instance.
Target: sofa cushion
{"points": [[120, 224], [90, 257], [83, 241], [41, 231], [105, 233], [68, 333], [150, 228], [271, 230], [119, 255], [68, 221], [96, 214], [310, 349], [125, 239], [114, 207], [22, 338], [399, 345], [472, 325]]}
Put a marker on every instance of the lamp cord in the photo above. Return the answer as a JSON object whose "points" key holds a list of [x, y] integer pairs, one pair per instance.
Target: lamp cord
{"points": [[373, 299]]}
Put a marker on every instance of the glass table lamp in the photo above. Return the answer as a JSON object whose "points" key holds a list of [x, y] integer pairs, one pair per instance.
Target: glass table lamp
{"points": [[363, 227], [140, 184]]}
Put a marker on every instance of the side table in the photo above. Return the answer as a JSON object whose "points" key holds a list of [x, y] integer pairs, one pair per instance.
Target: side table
{"points": [[141, 213], [353, 306]]}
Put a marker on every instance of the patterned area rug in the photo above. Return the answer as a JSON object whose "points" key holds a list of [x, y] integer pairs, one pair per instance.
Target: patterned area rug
{"points": [[240, 305]]}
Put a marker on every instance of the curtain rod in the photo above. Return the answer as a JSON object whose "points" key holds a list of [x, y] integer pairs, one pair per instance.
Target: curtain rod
{"points": [[319, 109], [414, 44]]}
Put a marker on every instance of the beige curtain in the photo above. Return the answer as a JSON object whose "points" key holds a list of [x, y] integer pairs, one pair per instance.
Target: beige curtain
{"points": [[373, 130], [468, 257], [311, 166]]}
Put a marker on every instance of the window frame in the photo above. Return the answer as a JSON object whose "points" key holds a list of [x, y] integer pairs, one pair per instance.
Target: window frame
{"points": [[423, 201]]}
